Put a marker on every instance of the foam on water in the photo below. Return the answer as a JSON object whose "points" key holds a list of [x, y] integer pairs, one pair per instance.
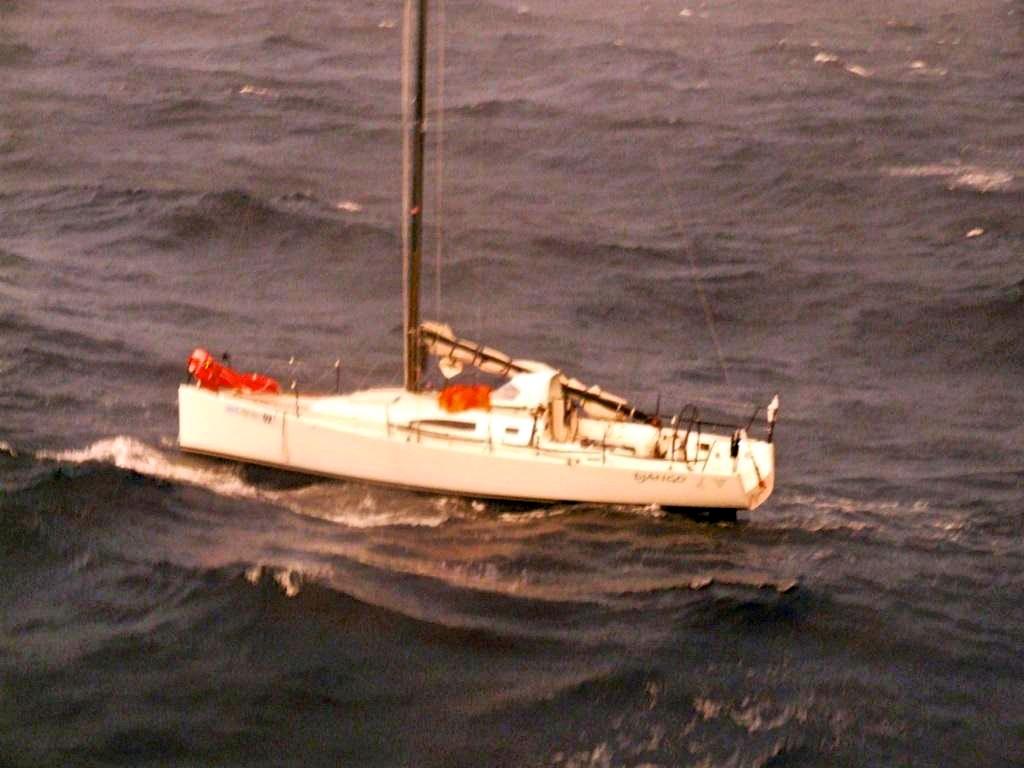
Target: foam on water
{"points": [[257, 91], [961, 176], [922, 69], [366, 507], [827, 58], [350, 505], [126, 452], [885, 518], [360, 506], [288, 578]]}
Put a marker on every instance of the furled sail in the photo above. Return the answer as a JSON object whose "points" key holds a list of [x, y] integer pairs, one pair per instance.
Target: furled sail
{"points": [[440, 341]]}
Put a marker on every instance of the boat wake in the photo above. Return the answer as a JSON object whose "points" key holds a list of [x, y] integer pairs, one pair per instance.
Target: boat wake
{"points": [[461, 560], [128, 453], [351, 504]]}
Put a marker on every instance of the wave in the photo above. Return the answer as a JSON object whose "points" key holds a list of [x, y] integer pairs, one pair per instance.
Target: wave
{"points": [[945, 521], [175, 313], [653, 122], [129, 600], [518, 109], [851, 62], [173, 644], [12, 267], [829, 59], [972, 177], [220, 213], [123, 537], [185, 18], [60, 343], [60, 514], [289, 42], [648, 721], [242, 218], [904, 27], [133, 580], [358, 506], [837, 59], [128, 453], [979, 331], [180, 111], [816, 513], [15, 54], [606, 255], [80, 208], [745, 612], [353, 505]]}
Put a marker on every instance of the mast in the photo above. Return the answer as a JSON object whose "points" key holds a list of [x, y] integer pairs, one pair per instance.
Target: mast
{"points": [[412, 183]]}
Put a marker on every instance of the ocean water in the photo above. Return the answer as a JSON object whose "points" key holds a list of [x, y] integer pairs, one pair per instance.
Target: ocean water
{"points": [[842, 181]]}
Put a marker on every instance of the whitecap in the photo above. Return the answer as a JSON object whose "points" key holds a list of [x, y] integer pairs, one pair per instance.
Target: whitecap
{"points": [[253, 574], [708, 709], [922, 69], [960, 176], [544, 513], [357, 506], [824, 57], [254, 90], [982, 180], [288, 578], [765, 715], [128, 453], [329, 501], [289, 581]]}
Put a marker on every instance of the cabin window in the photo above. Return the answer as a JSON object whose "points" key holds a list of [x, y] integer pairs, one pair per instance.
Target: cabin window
{"points": [[466, 426], [507, 391]]}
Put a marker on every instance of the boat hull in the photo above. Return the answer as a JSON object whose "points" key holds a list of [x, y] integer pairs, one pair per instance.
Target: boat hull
{"points": [[285, 432]]}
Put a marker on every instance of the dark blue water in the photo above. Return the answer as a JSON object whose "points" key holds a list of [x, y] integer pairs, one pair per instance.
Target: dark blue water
{"points": [[843, 180]]}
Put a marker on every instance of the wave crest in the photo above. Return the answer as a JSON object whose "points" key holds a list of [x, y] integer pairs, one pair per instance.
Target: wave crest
{"points": [[351, 504]]}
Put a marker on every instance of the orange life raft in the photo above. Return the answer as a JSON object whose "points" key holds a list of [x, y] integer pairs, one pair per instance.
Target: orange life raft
{"points": [[462, 397], [214, 376]]}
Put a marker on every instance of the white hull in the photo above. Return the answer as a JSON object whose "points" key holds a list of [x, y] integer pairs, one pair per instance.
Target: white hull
{"points": [[399, 438]]}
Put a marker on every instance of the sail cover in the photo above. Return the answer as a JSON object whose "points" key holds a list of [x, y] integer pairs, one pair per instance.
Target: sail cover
{"points": [[440, 341]]}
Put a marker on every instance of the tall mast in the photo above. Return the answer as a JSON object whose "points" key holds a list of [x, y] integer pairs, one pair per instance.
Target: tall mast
{"points": [[412, 194]]}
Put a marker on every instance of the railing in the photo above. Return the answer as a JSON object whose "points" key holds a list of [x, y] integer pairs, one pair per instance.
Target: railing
{"points": [[690, 415], [302, 372]]}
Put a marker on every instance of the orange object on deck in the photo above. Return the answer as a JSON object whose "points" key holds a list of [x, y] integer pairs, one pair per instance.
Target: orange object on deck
{"points": [[214, 376], [462, 397]]}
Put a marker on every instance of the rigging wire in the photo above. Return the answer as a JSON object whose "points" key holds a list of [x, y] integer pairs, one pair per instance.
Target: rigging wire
{"points": [[406, 148], [439, 157], [695, 271]]}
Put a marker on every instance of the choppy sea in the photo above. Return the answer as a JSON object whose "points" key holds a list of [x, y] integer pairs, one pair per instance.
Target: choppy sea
{"points": [[842, 183]]}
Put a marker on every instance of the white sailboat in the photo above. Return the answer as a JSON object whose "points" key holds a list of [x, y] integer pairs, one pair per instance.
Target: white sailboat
{"points": [[540, 436]]}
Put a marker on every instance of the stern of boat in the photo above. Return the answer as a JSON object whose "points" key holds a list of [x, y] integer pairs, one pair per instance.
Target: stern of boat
{"points": [[756, 469]]}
